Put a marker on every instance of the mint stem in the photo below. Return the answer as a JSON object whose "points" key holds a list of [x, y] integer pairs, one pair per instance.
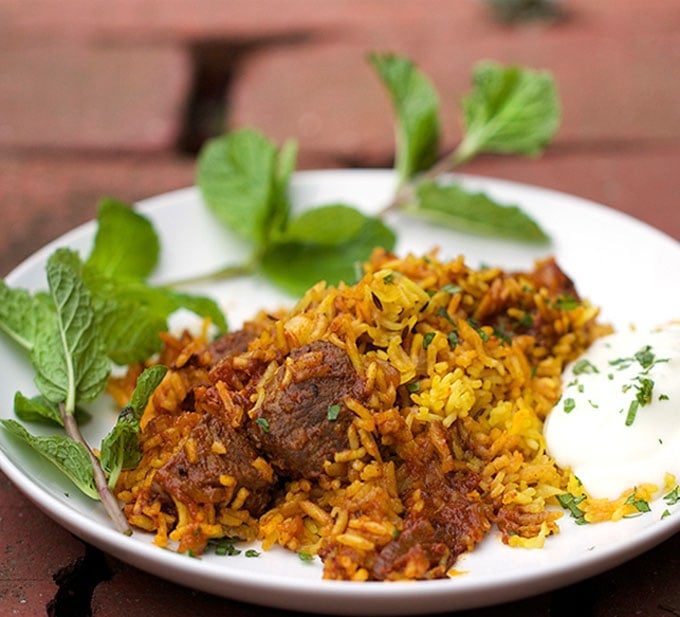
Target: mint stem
{"points": [[224, 273], [108, 500], [406, 193]]}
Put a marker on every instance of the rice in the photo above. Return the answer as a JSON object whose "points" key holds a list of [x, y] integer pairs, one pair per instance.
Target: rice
{"points": [[460, 367]]}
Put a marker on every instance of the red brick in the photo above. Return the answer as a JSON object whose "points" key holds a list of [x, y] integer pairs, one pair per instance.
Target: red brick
{"points": [[67, 96], [612, 66], [32, 549], [43, 197]]}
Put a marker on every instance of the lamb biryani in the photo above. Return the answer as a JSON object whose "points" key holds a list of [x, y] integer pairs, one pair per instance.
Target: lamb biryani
{"points": [[385, 427]]}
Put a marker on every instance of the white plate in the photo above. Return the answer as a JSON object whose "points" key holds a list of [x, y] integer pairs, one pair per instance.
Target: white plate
{"points": [[625, 266]]}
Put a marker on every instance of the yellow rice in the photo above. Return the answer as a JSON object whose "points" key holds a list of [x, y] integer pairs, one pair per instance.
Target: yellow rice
{"points": [[478, 394]]}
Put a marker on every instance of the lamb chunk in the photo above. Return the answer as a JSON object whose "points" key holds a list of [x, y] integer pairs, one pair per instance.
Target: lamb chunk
{"points": [[217, 451], [293, 426], [549, 275], [231, 343], [449, 523]]}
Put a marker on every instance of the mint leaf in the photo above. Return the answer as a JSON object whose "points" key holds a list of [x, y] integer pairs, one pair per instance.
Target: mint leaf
{"points": [[511, 110], [66, 354], [416, 104], [454, 207], [67, 455], [242, 181], [326, 225], [21, 315], [297, 266], [36, 409], [130, 314], [120, 448], [126, 244]]}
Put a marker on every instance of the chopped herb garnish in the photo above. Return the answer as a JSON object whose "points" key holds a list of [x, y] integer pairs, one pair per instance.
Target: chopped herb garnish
{"points": [[632, 412], [644, 391], [263, 423], [225, 547], [664, 397], [569, 404], [251, 552], [333, 412], [526, 321], [483, 335], [427, 339], [453, 339], [567, 303], [444, 313], [673, 496], [452, 289], [584, 366], [570, 502], [413, 387], [641, 505], [665, 513], [645, 356], [306, 557]]}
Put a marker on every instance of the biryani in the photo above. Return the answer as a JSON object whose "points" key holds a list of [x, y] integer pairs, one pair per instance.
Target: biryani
{"points": [[385, 426]]}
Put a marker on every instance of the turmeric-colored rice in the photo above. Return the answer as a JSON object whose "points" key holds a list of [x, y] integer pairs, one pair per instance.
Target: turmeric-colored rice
{"points": [[462, 366]]}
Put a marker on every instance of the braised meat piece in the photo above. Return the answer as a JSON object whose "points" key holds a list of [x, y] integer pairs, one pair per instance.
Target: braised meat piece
{"points": [[215, 462], [231, 343], [444, 517], [303, 420]]}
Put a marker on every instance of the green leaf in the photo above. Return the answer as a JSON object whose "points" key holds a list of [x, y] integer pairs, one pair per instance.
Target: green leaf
{"points": [[67, 355], [131, 314], [67, 455], [36, 409], [147, 383], [22, 314], [511, 110], [241, 180], [126, 244], [454, 207], [296, 266], [120, 448], [326, 225], [416, 104]]}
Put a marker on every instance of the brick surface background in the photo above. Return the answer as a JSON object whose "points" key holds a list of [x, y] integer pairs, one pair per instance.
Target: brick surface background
{"points": [[114, 99]]}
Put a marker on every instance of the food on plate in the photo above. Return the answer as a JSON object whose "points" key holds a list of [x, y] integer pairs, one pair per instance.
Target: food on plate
{"points": [[384, 426], [625, 387]]}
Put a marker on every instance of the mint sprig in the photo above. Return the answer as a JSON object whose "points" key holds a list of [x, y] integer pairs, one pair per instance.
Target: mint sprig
{"points": [[510, 110], [293, 250], [93, 313], [244, 178], [416, 104]]}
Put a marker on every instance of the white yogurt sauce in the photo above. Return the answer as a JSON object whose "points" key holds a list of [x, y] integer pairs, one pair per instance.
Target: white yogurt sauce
{"points": [[617, 424]]}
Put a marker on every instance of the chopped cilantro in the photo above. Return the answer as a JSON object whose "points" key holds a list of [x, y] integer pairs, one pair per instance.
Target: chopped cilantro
{"points": [[333, 412], [673, 496], [452, 289], [584, 366], [413, 387], [427, 339], [263, 423], [570, 502]]}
